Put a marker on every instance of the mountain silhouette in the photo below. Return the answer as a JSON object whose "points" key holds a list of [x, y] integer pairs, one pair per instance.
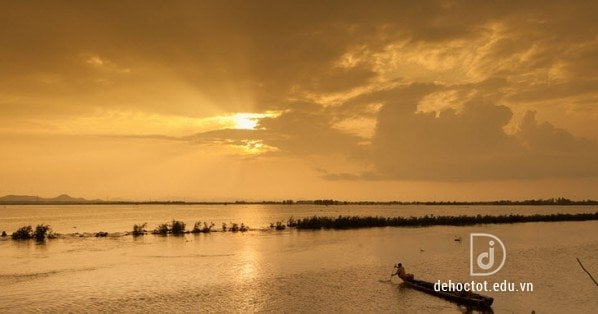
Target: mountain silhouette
{"points": [[29, 199]]}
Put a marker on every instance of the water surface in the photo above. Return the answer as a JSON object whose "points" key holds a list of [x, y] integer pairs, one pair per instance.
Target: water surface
{"points": [[118, 218], [304, 271]]}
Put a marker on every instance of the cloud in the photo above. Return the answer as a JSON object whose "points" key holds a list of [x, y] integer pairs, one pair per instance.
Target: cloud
{"points": [[471, 145], [445, 79]]}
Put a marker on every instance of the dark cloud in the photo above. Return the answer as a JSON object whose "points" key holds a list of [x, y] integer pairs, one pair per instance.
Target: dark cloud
{"points": [[197, 59], [219, 48], [472, 145], [306, 132]]}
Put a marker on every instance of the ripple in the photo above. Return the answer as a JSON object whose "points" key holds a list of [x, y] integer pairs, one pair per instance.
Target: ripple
{"points": [[20, 277], [188, 255]]}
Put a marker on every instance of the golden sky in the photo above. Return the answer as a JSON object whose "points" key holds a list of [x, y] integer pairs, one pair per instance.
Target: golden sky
{"points": [[218, 100]]}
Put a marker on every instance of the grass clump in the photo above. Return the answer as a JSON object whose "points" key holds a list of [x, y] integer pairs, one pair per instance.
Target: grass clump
{"points": [[224, 227], [177, 227], [235, 227], [23, 233], [139, 229], [205, 228], [196, 227], [162, 229], [279, 226], [42, 231], [292, 222]]}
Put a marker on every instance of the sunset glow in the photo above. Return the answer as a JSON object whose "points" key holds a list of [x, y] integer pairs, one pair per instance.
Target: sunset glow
{"points": [[439, 100]]}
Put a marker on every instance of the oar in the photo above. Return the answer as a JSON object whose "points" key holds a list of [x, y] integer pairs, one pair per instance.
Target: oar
{"points": [[587, 272]]}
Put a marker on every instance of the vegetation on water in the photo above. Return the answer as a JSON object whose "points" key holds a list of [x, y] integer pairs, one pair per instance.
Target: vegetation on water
{"points": [[292, 222], [205, 228], [279, 226], [177, 227], [235, 227], [139, 229], [162, 229], [351, 222], [40, 233], [23, 233]]}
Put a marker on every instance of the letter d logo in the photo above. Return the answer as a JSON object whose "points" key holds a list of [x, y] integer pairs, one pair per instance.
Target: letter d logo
{"points": [[482, 254]]}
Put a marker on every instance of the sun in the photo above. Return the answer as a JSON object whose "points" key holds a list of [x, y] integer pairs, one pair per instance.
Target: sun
{"points": [[245, 121]]}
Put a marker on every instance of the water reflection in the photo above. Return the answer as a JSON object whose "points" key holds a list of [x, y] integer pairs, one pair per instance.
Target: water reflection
{"points": [[326, 271], [249, 260]]}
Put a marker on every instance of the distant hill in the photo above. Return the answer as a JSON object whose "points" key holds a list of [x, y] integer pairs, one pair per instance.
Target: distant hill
{"points": [[60, 199], [65, 199]]}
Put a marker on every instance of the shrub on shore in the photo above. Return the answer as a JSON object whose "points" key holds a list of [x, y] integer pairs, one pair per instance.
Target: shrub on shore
{"points": [[352, 222], [101, 234], [4, 234], [139, 229]]}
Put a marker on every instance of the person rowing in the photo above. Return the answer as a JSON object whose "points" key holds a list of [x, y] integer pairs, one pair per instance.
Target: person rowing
{"points": [[402, 273]]}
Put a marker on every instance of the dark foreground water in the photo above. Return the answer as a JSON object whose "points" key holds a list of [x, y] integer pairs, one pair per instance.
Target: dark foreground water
{"points": [[289, 271]]}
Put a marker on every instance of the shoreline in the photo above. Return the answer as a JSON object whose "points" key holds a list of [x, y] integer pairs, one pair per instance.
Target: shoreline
{"points": [[340, 203], [561, 201]]}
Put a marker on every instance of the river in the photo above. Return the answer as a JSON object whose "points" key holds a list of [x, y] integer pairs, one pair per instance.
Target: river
{"points": [[283, 271]]}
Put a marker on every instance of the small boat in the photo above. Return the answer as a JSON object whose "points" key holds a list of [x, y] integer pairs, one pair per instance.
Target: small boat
{"points": [[459, 297]]}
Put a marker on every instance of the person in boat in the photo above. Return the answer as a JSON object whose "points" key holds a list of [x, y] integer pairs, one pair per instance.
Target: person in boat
{"points": [[402, 273]]}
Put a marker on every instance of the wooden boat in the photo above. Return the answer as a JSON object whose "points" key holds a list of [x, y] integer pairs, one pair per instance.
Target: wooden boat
{"points": [[459, 297]]}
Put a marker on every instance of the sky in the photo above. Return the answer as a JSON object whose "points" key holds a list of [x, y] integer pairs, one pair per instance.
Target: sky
{"points": [[360, 100]]}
